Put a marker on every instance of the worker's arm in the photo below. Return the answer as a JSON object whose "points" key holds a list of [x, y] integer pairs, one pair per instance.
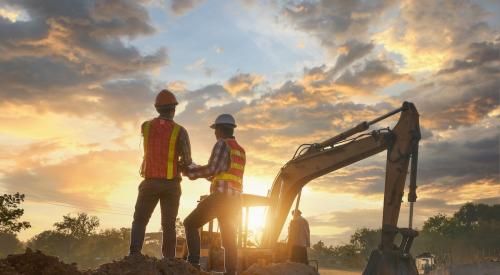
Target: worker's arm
{"points": [[217, 163], [184, 147]]}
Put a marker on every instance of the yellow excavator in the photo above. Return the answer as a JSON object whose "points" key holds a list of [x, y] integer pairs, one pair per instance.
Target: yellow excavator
{"points": [[317, 159]]}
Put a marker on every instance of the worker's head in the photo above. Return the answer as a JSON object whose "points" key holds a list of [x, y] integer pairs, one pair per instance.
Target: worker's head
{"points": [[165, 103], [224, 126], [296, 213]]}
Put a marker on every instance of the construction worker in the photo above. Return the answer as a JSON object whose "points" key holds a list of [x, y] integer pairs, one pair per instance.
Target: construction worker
{"points": [[167, 151], [299, 238], [225, 171]]}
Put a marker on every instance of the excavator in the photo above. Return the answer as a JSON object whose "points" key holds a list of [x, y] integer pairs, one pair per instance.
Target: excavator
{"points": [[317, 159]]}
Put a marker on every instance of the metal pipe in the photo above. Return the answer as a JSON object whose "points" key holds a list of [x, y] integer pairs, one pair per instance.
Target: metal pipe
{"points": [[298, 200], [410, 218], [363, 126], [391, 113]]}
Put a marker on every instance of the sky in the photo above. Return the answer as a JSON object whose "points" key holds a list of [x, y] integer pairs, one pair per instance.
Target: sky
{"points": [[79, 77]]}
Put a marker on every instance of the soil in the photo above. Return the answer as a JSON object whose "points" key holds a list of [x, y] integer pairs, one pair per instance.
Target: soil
{"points": [[282, 268], [141, 264], [35, 263]]}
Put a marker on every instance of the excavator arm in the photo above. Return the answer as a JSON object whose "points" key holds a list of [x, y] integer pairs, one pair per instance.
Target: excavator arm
{"points": [[319, 159]]}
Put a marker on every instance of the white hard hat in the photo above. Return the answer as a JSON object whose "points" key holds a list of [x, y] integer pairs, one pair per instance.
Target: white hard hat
{"points": [[224, 119]]}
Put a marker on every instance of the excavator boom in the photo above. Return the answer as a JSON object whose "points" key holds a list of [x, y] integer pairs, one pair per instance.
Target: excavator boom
{"points": [[339, 151]]}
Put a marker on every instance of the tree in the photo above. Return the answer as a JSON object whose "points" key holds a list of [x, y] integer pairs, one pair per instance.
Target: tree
{"points": [[10, 244], [10, 213], [441, 225], [366, 240], [79, 227], [55, 243]]}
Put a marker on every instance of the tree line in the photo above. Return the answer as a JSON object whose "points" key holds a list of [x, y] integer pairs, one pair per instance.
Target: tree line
{"points": [[471, 234], [468, 235]]}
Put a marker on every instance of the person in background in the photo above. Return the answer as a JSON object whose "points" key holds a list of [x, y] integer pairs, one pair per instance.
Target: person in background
{"points": [[299, 238]]}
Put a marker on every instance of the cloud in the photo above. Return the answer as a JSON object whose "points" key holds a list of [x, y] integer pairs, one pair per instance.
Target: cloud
{"points": [[243, 83], [374, 75], [462, 94], [335, 22], [68, 181], [67, 49], [177, 86], [37, 171], [181, 7], [429, 33]]}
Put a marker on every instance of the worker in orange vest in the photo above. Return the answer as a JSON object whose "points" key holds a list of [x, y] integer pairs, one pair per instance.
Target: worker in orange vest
{"points": [[167, 151], [225, 171]]}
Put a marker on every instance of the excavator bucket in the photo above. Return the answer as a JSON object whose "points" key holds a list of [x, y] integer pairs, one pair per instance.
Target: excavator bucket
{"points": [[390, 263]]}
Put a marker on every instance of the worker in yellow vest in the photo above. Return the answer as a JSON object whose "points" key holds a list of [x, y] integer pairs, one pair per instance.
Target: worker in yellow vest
{"points": [[167, 151], [225, 171]]}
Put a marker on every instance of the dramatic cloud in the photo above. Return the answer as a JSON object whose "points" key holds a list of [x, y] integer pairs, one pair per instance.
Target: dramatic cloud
{"points": [[334, 22], [243, 83], [429, 33], [67, 49], [462, 94]]}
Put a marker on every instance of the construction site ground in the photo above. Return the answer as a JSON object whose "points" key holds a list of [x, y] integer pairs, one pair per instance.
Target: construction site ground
{"points": [[37, 263]]}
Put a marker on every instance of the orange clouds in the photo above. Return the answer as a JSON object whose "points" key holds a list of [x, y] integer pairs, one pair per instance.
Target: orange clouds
{"points": [[84, 180], [243, 83]]}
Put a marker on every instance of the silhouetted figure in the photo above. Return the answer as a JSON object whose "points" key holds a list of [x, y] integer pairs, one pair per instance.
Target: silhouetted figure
{"points": [[299, 238]]}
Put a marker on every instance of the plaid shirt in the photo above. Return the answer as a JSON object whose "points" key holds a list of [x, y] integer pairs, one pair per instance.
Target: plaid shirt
{"points": [[218, 163]]}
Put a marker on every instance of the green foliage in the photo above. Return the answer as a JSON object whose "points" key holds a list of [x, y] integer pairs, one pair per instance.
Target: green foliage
{"points": [[10, 244], [469, 235], [79, 227], [365, 240], [10, 213], [56, 244]]}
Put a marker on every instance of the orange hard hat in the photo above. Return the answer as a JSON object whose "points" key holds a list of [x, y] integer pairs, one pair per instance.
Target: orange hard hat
{"points": [[165, 97]]}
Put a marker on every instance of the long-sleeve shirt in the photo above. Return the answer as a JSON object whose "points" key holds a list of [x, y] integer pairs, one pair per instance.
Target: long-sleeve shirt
{"points": [[218, 162]]}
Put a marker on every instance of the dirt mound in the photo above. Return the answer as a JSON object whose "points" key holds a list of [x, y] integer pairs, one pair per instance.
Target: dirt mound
{"points": [[145, 265], [35, 263], [278, 269]]}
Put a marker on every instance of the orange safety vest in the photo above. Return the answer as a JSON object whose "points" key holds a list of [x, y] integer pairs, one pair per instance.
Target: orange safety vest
{"points": [[160, 150], [234, 175]]}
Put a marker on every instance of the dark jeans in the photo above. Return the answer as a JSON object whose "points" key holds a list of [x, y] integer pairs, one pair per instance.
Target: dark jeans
{"points": [[226, 208], [168, 192], [298, 254]]}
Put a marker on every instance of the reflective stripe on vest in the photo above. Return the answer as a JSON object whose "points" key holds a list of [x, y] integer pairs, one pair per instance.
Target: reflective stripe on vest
{"points": [[160, 162], [234, 174]]}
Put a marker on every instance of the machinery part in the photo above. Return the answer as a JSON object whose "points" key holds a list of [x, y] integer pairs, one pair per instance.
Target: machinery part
{"points": [[164, 98], [337, 152], [390, 263], [224, 119]]}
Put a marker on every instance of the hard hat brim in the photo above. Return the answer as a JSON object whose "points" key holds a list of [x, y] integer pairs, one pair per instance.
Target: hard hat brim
{"points": [[214, 125]]}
